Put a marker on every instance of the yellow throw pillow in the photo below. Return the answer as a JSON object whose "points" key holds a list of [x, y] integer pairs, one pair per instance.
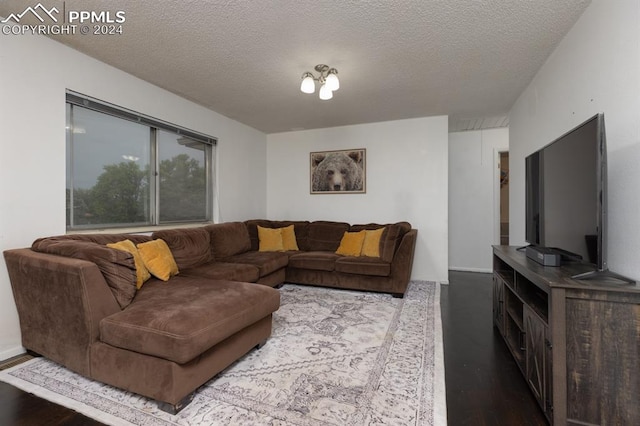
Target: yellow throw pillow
{"points": [[270, 239], [289, 238], [158, 259], [351, 244], [371, 244], [142, 273]]}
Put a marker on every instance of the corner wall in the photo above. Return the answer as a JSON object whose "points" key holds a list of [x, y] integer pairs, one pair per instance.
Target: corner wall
{"points": [[596, 68], [473, 197], [35, 73], [406, 180]]}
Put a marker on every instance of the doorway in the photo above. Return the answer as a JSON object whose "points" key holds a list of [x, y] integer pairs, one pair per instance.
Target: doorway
{"points": [[504, 197]]}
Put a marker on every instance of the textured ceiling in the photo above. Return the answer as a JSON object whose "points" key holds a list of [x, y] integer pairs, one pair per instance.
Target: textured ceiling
{"points": [[469, 59]]}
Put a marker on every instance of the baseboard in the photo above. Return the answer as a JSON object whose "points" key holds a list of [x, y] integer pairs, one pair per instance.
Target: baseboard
{"points": [[11, 352], [462, 269]]}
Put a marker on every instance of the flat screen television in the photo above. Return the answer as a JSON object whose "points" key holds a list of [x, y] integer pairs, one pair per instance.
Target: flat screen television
{"points": [[566, 195]]}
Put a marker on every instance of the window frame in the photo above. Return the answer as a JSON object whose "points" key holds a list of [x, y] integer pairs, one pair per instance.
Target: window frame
{"points": [[154, 125]]}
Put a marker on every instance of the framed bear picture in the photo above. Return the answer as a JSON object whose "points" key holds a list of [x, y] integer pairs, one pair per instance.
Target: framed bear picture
{"points": [[338, 172]]}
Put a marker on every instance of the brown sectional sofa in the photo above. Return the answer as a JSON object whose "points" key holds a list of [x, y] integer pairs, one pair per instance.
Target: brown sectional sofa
{"points": [[78, 304]]}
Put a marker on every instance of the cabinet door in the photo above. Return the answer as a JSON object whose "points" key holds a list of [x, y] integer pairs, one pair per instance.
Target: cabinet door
{"points": [[603, 358], [498, 303], [536, 356]]}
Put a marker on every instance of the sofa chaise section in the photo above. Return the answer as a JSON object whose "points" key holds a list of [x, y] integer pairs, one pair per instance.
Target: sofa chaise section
{"points": [[162, 348], [166, 320], [163, 343]]}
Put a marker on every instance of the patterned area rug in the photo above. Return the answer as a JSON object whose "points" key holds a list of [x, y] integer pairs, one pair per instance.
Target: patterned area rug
{"points": [[335, 357]]}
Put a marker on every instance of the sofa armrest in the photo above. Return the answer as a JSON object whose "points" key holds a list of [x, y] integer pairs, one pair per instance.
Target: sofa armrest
{"points": [[60, 303], [402, 262]]}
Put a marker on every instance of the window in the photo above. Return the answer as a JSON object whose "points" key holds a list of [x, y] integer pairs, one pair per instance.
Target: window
{"points": [[125, 170]]}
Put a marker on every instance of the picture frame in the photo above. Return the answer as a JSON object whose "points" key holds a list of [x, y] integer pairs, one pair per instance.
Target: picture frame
{"points": [[338, 172]]}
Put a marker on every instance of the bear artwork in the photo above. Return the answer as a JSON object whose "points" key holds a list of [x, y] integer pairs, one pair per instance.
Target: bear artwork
{"points": [[337, 171]]}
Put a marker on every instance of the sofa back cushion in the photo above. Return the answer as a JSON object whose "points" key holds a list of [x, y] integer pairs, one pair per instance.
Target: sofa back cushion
{"points": [[300, 228], [102, 239], [190, 247], [390, 239], [142, 273], [228, 239], [325, 235], [117, 266]]}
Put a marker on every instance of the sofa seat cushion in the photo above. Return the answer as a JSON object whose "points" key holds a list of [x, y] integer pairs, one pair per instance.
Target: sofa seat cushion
{"points": [[363, 266], [266, 261], [315, 260], [225, 271], [180, 319]]}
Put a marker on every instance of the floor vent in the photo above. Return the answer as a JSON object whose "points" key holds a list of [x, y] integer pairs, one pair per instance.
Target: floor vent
{"points": [[12, 362]]}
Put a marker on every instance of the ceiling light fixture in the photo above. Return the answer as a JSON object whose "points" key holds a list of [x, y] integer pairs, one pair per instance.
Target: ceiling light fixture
{"points": [[328, 79]]}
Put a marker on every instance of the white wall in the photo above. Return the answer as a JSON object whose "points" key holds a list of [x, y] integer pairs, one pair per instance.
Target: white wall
{"points": [[473, 196], [406, 180], [596, 68], [34, 74]]}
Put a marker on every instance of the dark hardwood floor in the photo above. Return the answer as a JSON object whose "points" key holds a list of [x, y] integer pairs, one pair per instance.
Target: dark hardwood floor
{"points": [[484, 385], [18, 408]]}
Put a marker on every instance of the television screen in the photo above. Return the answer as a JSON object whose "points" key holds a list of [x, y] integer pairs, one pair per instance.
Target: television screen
{"points": [[565, 194]]}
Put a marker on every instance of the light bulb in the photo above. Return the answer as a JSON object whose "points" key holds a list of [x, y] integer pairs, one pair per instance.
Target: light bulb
{"points": [[332, 80], [308, 85], [325, 93]]}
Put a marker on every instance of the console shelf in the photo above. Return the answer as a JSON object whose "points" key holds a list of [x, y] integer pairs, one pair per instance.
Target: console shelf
{"points": [[576, 342]]}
